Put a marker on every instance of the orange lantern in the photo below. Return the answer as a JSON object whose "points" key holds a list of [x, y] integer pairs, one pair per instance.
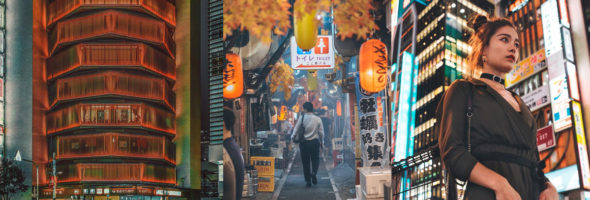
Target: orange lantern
{"points": [[373, 66], [283, 114], [233, 77], [338, 108]]}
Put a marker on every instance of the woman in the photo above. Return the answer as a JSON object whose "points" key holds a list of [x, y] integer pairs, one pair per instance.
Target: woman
{"points": [[502, 163], [233, 162]]}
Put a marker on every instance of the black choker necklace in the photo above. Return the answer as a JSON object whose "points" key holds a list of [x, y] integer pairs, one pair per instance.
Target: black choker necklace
{"points": [[492, 77]]}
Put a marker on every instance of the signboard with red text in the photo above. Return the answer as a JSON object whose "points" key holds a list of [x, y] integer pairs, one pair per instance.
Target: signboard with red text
{"points": [[319, 57]]}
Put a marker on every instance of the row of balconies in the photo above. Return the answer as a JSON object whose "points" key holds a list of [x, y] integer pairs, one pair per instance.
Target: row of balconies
{"points": [[112, 84], [161, 9], [116, 172], [110, 115], [114, 55], [109, 24], [115, 145]]}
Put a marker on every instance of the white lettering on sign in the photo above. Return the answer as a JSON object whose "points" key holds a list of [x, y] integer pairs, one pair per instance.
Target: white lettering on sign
{"points": [[545, 138], [320, 57], [537, 98], [551, 30]]}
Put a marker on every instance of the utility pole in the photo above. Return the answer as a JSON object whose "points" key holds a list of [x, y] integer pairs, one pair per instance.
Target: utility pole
{"points": [[54, 177], [3, 133], [37, 187]]}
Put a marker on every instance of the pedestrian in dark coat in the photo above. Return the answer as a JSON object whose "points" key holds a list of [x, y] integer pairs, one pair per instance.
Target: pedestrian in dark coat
{"points": [[503, 160]]}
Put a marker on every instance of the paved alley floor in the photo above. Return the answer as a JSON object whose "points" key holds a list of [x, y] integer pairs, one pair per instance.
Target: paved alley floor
{"points": [[330, 179]]}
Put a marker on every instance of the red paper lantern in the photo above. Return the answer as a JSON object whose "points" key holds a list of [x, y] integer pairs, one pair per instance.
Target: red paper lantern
{"points": [[373, 66], [233, 77]]}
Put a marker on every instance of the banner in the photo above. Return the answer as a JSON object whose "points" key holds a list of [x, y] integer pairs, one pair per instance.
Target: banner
{"points": [[373, 135]]}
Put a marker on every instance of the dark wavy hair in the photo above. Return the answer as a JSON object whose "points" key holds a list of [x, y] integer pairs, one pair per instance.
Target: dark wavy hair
{"points": [[483, 30], [229, 119]]}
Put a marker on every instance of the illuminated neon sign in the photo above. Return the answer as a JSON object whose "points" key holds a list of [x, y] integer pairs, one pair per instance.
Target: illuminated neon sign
{"points": [[584, 164], [517, 5], [405, 113]]}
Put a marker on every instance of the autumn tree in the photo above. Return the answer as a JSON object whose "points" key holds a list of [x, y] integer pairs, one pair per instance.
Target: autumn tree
{"points": [[352, 17], [281, 77]]}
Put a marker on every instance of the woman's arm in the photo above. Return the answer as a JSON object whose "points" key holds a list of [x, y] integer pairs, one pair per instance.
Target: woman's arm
{"points": [[485, 177], [450, 116], [550, 193]]}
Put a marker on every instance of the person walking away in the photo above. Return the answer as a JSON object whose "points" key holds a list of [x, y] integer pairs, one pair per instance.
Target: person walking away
{"points": [[311, 143]]}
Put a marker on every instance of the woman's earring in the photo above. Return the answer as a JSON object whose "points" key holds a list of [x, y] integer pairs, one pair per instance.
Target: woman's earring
{"points": [[483, 58]]}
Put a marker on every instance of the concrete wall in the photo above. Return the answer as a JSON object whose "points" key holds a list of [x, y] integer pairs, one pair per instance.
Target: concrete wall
{"points": [[19, 85]]}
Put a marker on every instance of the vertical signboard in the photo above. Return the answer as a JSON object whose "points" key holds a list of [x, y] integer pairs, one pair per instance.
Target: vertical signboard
{"points": [[392, 100], [572, 78], [373, 137], [405, 114], [581, 149], [560, 107], [551, 30], [2, 74], [558, 79]]}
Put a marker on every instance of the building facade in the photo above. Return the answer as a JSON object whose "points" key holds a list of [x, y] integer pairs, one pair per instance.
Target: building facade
{"points": [[211, 81], [106, 105], [546, 78]]}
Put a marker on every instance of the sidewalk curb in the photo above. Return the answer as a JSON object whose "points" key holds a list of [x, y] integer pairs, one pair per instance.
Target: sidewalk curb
{"points": [[329, 170], [277, 192]]}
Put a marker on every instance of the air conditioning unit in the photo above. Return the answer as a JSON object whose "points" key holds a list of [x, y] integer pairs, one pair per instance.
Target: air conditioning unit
{"points": [[372, 180]]}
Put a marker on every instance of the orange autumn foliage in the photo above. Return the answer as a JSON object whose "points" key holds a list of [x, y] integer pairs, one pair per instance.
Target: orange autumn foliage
{"points": [[257, 16], [352, 17]]}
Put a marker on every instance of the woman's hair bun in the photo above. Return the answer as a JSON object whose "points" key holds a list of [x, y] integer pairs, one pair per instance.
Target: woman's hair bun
{"points": [[478, 21]]}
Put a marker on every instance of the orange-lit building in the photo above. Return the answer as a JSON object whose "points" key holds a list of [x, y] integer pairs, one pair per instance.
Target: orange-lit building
{"points": [[104, 104], [553, 55]]}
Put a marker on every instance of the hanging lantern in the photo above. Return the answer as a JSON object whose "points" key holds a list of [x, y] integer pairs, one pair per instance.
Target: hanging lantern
{"points": [[233, 77], [306, 30], [373, 66], [312, 80], [283, 114], [338, 108]]}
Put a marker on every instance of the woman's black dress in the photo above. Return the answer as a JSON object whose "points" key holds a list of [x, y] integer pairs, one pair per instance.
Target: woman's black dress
{"points": [[495, 127]]}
